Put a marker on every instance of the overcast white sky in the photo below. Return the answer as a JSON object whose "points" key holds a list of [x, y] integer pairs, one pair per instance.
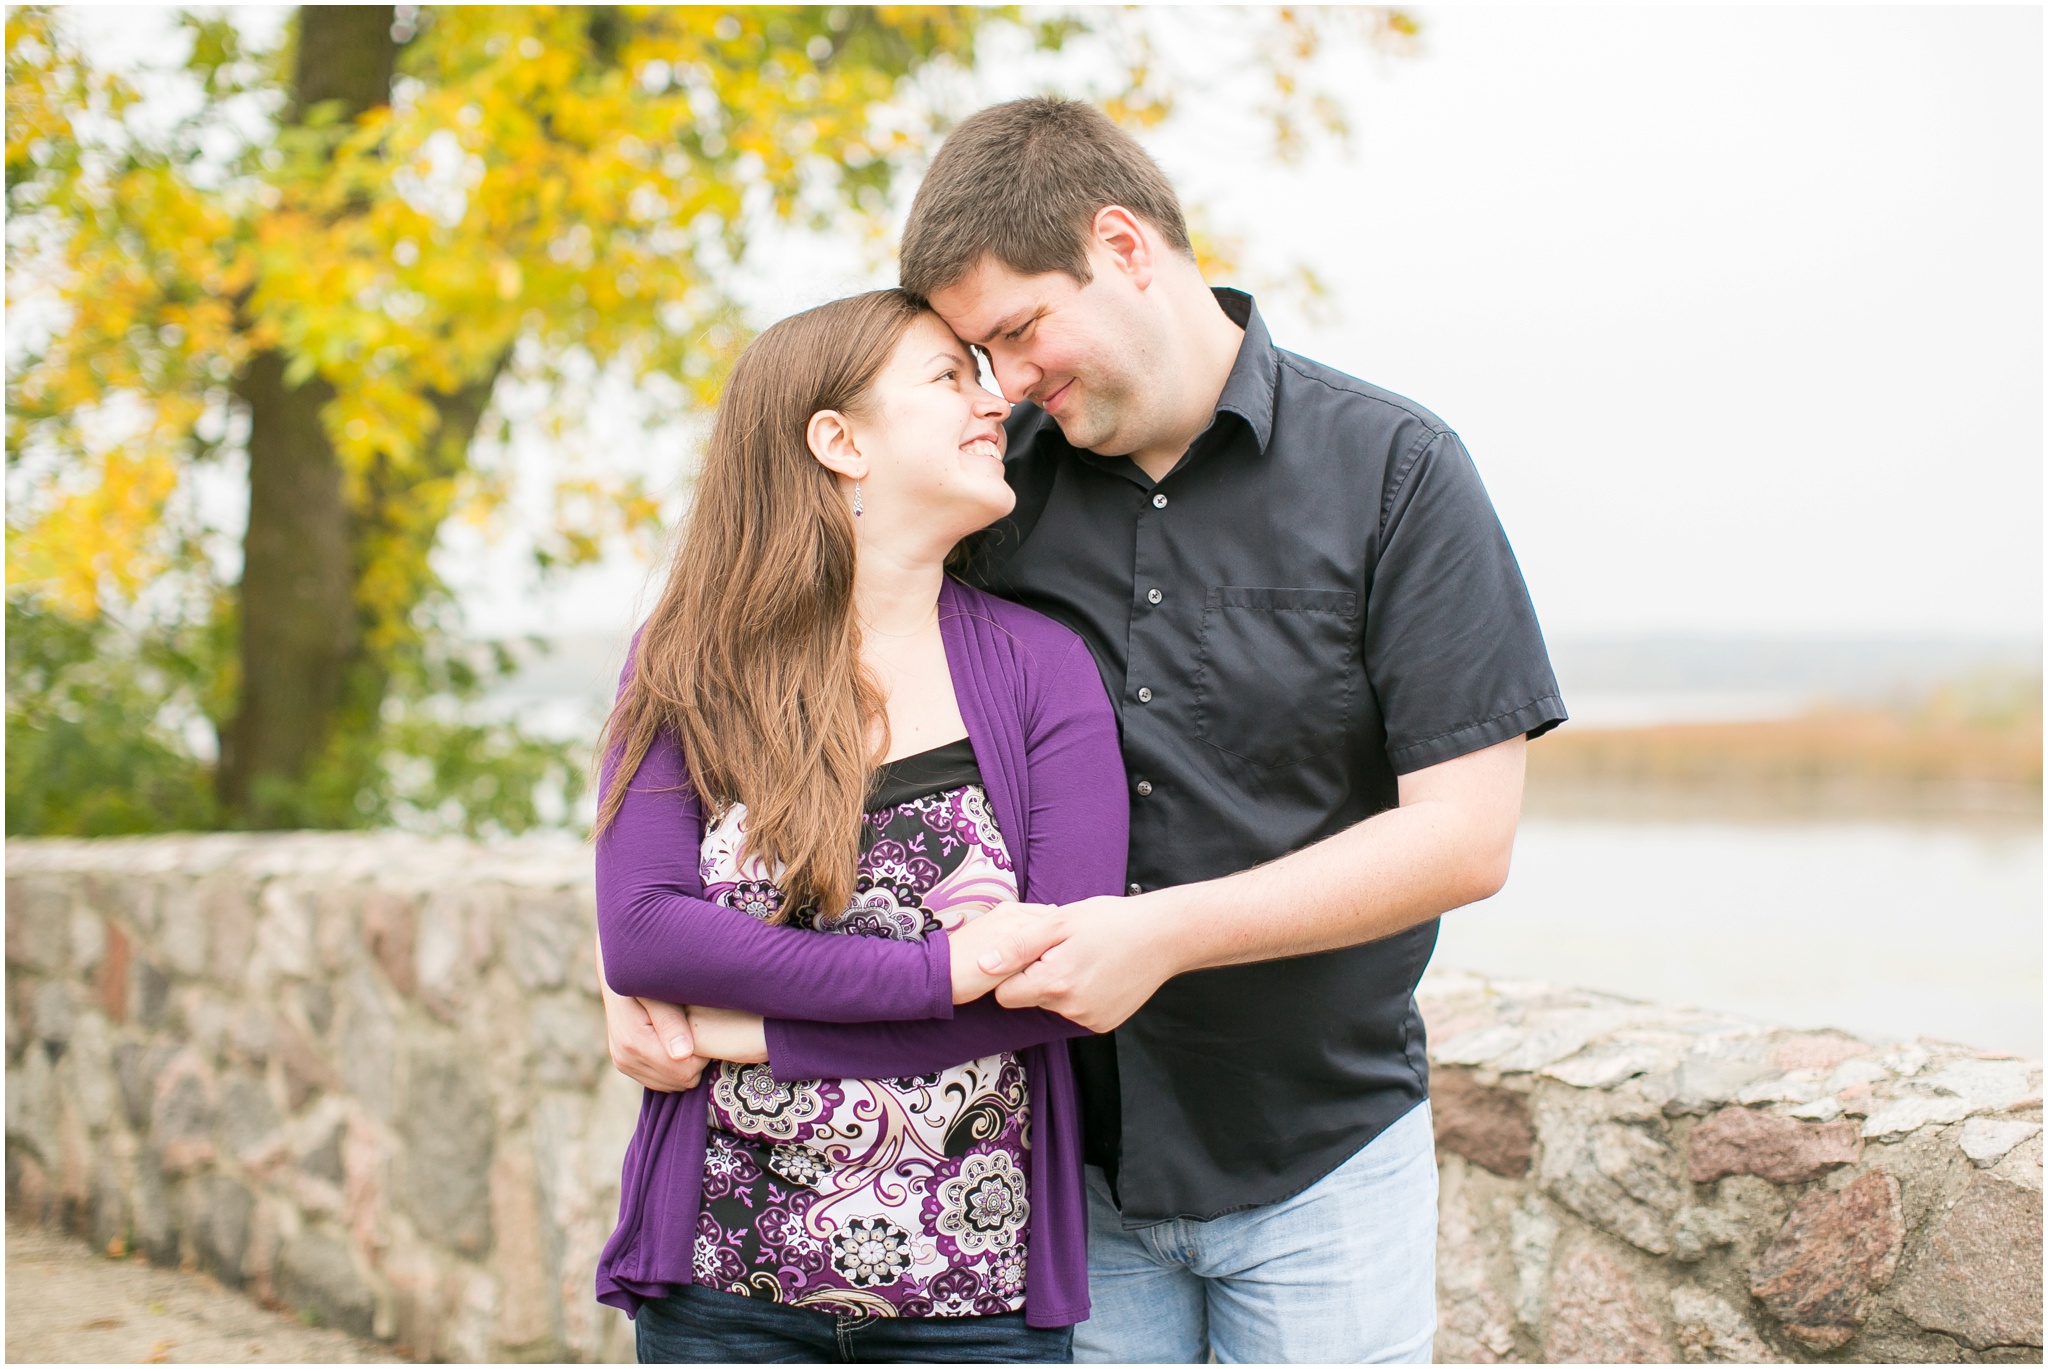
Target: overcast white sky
{"points": [[1738, 309]]}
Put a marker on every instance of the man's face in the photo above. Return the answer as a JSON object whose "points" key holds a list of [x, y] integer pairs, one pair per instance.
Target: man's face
{"points": [[1077, 351]]}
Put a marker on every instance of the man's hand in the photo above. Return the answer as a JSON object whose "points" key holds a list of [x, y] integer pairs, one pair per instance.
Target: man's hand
{"points": [[1106, 958], [650, 1042], [990, 948]]}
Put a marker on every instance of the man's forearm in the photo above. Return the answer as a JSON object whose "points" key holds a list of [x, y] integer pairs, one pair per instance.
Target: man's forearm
{"points": [[1447, 845], [1382, 876]]}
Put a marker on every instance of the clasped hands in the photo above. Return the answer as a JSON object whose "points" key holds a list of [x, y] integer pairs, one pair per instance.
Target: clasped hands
{"points": [[1093, 962]]}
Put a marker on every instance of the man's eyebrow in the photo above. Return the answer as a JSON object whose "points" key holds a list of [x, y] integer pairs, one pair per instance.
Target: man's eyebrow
{"points": [[1003, 325]]}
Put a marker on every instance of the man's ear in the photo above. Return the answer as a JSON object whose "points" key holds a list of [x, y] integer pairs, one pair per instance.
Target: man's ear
{"points": [[830, 438], [1127, 239]]}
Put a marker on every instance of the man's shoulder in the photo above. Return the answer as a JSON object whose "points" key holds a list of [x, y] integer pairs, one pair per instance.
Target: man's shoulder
{"points": [[1307, 383]]}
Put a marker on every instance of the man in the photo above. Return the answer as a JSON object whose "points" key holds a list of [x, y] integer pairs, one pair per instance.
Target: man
{"points": [[1325, 665]]}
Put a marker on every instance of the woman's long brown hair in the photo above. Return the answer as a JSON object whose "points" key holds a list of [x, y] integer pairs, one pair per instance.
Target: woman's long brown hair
{"points": [[751, 658]]}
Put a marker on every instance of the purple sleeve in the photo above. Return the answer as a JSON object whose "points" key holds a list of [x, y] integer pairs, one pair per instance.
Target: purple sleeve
{"points": [[662, 939], [890, 1050], [1080, 820]]}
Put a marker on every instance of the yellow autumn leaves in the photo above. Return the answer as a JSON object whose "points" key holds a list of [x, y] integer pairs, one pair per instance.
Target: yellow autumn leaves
{"points": [[522, 183]]}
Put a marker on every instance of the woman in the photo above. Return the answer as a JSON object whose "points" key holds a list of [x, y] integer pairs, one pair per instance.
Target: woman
{"points": [[825, 759]]}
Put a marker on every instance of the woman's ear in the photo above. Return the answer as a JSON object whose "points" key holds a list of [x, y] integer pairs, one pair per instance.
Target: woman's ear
{"points": [[830, 438]]}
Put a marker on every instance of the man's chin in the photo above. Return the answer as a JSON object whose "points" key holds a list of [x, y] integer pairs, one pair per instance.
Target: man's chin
{"points": [[1081, 430]]}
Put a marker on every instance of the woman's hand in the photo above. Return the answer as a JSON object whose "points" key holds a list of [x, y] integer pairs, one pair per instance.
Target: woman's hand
{"points": [[649, 1041], [1000, 942], [724, 1034]]}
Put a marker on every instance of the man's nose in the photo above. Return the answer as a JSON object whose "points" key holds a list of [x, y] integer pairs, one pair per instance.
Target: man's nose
{"points": [[1014, 375]]}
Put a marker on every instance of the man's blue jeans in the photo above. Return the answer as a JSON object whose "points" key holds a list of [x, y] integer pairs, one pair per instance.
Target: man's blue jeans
{"points": [[1343, 1272]]}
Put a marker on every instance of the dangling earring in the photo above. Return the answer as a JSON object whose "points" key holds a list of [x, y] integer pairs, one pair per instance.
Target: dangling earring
{"points": [[856, 499]]}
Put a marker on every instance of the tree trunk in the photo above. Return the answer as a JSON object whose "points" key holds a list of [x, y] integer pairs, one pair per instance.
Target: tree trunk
{"points": [[346, 53], [298, 617], [297, 592]]}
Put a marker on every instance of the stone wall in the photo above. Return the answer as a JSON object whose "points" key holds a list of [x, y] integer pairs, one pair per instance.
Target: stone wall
{"points": [[360, 1076], [364, 1077], [1630, 1183]]}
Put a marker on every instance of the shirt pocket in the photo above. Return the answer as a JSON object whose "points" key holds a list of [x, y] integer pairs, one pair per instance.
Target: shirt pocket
{"points": [[1274, 674]]}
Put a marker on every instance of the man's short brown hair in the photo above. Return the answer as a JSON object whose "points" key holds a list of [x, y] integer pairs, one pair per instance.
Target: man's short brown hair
{"points": [[1022, 182]]}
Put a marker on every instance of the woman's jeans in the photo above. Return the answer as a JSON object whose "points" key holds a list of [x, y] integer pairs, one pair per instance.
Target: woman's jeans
{"points": [[1344, 1272], [695, 1325]]}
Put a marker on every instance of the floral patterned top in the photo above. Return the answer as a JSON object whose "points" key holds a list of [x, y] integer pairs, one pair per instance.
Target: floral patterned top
{"points": [[881, 1197]]}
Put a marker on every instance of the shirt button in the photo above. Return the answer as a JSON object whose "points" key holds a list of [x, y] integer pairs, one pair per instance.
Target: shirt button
{"points": [[1153, 596], [1144, 789], [1158, 501], [1144, 696], [1135, 890]]}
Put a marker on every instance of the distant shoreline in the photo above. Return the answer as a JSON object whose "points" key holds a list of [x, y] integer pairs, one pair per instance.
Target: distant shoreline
{"points": [[1939, 762], [1992, 807]]}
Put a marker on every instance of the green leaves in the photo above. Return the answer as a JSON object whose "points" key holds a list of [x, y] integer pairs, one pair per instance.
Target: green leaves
{"points": [[92, 745]]}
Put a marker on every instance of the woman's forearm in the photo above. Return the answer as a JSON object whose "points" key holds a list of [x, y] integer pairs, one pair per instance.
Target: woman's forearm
{"points": [[668, 946], [720, 1034], [888, 1050]]}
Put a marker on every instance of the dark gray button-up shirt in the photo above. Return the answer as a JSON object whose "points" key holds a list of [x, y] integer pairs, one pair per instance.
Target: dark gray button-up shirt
{"points": [[1316, 599]]}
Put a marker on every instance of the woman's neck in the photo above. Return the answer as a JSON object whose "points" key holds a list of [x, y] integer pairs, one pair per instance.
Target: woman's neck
{"points": [[894, 594]]}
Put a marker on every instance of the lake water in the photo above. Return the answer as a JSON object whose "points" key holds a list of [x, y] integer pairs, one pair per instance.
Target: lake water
{"points": [[1889, 929]]}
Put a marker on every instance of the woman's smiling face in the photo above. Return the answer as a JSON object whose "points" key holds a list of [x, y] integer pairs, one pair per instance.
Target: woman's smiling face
{"points": [[933, 439]]}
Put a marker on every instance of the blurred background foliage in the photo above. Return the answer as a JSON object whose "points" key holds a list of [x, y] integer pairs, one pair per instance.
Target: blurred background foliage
{"points": [[269, 320]]}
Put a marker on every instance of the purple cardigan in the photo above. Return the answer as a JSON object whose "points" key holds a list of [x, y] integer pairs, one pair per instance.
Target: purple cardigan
{"points": [[865, 1007]]}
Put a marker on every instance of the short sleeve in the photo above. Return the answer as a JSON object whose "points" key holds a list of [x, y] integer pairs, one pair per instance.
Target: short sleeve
{"points": [[1452, 647]]}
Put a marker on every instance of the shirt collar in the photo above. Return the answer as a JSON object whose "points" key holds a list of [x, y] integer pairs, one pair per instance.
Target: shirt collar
{"points": [[1248, 392]]}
